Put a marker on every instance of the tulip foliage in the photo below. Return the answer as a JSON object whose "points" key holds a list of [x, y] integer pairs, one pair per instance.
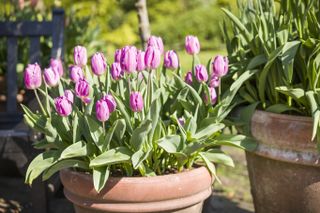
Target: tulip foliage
{"points": [[132, 117]]}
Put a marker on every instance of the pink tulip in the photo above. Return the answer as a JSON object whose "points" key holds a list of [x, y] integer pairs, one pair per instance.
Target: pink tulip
{"points": [[136, 101], [171, 60], [56, 65], [214, 81], [32, 76], [82, 88], [76, 73], [69, 95], [98, 64], [63, 106], [213, 96], [111, 102], [51, 77], [80, 56], [192, 45], [201, 73], [118, 55], [116, 71], [140, 61], [188, 78], [220, 66], [102, 110], [129, 59], [156, 42], [152, 58]]}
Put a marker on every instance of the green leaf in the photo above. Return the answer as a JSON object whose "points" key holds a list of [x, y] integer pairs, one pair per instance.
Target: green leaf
{"points": [[123, 111], [96, 132], [76, 133], [139, 135], [40, 163], [172, 144], [113, 156], [63, 164], [238, 141], [139, 156], [210, 166], [78, 149], [315, 112], [280, 108], [208, 131], [218, 156], [153, 115], [100, 177], [297, 94]]}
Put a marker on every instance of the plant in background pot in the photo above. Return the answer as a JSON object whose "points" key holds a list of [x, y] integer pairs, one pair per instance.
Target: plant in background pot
{"points": [[133, 136], [280, 44]]}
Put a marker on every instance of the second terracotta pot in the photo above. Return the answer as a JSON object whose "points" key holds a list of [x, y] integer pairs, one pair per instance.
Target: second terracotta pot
{"points": [[284, 170], [183, 192]]}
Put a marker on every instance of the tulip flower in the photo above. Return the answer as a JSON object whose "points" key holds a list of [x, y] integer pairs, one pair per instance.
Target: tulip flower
{"points": [[63, 106], [56, 65], [156, 42], [116, 71], [136, 101], [129, 59], [80, 56], [220, 66], [98, 64], [152, 58], [102, 110], [140, 61], [188, 78], [51, 77], [213, 96], [192, 45], [111, 102], [86, 100], [76, 73], [69, 95], [214, 81], [82, 88], [201, 73], [171, 60], [181, 121], [32, 76], [118, 55]]}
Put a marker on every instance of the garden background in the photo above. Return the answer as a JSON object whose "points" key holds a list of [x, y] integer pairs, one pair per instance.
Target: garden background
{"points": [[105, 25]]}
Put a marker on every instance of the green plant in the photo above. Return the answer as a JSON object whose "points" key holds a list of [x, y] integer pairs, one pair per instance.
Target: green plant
{"points": [[171, 129], [280, 43]]}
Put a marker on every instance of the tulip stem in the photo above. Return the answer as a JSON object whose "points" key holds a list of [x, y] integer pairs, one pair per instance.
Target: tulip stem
{"points": [[219, 92], [47, 101], [104, 127], [100, 84], [40, 104]]}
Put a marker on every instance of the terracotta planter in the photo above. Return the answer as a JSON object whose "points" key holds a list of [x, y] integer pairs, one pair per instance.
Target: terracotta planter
{"points": [[183, 192], [284, 170]]}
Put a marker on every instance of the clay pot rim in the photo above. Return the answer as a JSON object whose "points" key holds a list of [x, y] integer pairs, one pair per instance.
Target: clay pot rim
{"points": [[299, 118]]}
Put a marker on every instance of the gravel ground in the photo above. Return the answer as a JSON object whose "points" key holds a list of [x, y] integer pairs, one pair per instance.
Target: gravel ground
{"points": [[232, 196]]}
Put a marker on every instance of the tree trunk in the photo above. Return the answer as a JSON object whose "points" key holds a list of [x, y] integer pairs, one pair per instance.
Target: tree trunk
{"points": [[144, 26]]}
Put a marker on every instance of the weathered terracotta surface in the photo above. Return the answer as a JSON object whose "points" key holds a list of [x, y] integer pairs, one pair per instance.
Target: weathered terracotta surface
{"points": [[167, 193], [284, 170]]}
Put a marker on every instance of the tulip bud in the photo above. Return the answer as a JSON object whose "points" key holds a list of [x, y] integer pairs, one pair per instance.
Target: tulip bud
{"points": [[181, 121], [111, 102], [118, 55], [220, 66], [188, 78], [102, 110], [32, 76], [129, 59], [201, 73], [156, 42], [213, 96], [80, 56], [86, 100], [136, 101], [140, 61], [192, 45], [56, 65], [51, 77], [69, 95], [63, 106], [171, 60], [214, 81], [98, 64], [152, 58], [82, 88], [116, 71], [76, 73]]}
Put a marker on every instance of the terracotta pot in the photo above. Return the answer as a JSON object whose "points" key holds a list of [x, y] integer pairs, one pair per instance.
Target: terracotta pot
{"points": [[183, 192], [284, 169]]}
